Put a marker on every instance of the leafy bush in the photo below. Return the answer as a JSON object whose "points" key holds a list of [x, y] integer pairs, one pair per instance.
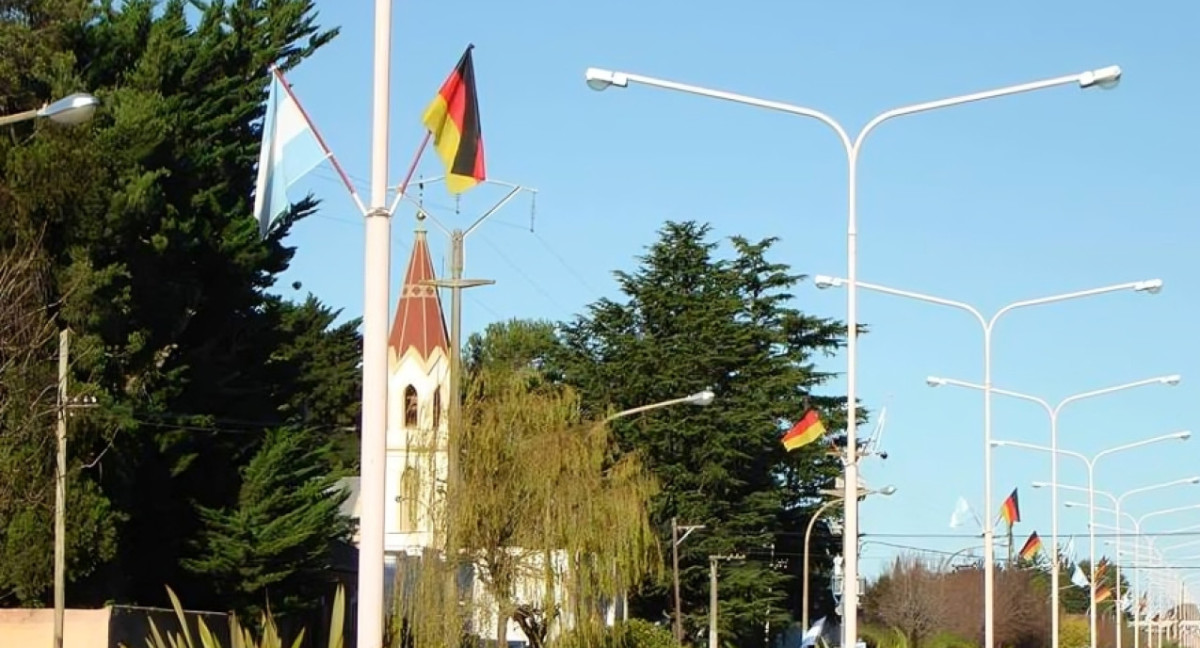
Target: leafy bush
{"points": [[634, 633]]}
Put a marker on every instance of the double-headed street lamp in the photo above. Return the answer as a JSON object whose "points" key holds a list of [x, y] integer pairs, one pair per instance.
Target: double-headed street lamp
{"points": [[600, 79], [1117, 501], [1054, 411], [1090, 462], [988, 324]]}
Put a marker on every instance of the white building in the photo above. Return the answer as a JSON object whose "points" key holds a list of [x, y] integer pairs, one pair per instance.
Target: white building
{"points": [[416, 466]]}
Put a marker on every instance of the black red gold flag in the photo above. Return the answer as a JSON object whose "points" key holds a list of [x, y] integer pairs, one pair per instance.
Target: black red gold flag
{"points": [[453, 121]]}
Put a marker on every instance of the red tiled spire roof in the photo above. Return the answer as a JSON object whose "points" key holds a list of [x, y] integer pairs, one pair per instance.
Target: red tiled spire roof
{"points": [[419, 322]]}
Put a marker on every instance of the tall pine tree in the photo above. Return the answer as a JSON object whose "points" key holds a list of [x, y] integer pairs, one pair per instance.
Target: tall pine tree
{"points": [[273, 546], [142, 218], [687, 321]]}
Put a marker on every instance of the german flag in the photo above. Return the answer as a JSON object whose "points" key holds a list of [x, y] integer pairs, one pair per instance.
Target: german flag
{"points": [[1011, 510], [1032, 546], [452, 118], [804, 432]]}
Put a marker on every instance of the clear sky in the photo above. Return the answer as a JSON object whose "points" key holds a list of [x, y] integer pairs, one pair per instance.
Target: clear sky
{"points": [[1021, 197]]}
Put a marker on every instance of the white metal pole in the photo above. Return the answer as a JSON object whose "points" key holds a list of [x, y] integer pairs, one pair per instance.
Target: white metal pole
{"points": [[375, 331], [1055, 560], [1092, 612], [850, 496], [989, 541]]}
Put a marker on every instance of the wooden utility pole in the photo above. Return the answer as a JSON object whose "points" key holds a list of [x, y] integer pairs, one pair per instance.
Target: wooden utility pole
{"points": [[60, 491], [676, 540], [712, 595], [65, 405]]}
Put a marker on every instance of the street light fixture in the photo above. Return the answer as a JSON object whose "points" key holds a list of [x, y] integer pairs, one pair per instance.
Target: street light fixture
{"points": [[601, 79], [836, 499], [71, 110], [1118, 501], [988, 324], [1054, 411], [700, 399], [1090, 462]]}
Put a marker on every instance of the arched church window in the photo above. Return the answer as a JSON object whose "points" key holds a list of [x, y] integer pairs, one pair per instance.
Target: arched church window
{"points": [[410, 406]]}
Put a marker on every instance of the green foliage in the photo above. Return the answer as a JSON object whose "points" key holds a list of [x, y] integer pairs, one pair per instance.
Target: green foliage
{"points": [[633, 633], [241, 637], [688, 321], [1074, 632], [540, 502], [274, 544], [140, 221]]}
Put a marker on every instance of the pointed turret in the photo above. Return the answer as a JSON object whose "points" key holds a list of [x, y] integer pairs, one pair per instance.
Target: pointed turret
{"points": [[419, 325]]}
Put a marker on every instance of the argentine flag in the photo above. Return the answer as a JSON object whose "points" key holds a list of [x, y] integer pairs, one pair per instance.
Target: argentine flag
{"points": [[290, 149]]}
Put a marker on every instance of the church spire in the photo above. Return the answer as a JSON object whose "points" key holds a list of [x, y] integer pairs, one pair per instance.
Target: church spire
{"points": [[419, 323]]}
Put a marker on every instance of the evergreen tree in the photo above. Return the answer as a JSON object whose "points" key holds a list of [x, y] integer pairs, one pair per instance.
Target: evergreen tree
{"points": [[273, 547], [142, 218], [691, 321]]}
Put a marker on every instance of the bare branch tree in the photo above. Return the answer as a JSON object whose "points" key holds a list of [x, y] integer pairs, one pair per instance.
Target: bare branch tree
{"points": [[910, 600]]}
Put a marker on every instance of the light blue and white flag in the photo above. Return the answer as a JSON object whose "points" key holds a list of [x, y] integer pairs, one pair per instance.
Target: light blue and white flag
{"points": [[290, 149], [812, 634]]}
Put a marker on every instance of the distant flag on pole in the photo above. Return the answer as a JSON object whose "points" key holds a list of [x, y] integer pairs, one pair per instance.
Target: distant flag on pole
{"points": [[452, 118], [1103, 593], [804, 432], [1010, 511], [290, 149], [1032, 546], [962, 511]]}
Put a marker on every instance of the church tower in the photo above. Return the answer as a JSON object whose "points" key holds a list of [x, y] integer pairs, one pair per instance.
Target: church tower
{"points": [[418, 389]]}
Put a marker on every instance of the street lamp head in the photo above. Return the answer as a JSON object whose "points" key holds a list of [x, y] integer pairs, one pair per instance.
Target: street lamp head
{"points": [[1104, 78], [1194, 480], [702, 398], [1184, 435], [825, 281], [1040, 484], [1149, 286], [71, 110], [599, 79], [1074, 505], [1171, 380], [934, 381], [887, 490], [998, 444]]}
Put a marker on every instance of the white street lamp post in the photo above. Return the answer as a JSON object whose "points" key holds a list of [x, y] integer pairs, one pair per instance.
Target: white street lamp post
{"points": [[1091, 471], [988, 325], [1054, 411], [1108, 77], [1117, 501], [701, 399]]}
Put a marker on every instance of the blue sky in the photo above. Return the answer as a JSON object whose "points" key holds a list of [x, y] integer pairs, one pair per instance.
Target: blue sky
{"points": [[1021, 197]]}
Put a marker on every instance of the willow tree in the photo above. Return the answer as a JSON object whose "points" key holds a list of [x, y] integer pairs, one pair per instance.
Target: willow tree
{"points": [[550, 518]]}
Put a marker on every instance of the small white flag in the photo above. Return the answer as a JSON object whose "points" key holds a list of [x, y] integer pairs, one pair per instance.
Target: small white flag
{"points": [[962, 512], [290, 149], [1078, 579]]}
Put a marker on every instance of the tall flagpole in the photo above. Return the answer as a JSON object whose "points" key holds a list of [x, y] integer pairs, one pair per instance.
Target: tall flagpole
{"points": [[375, 332]]}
